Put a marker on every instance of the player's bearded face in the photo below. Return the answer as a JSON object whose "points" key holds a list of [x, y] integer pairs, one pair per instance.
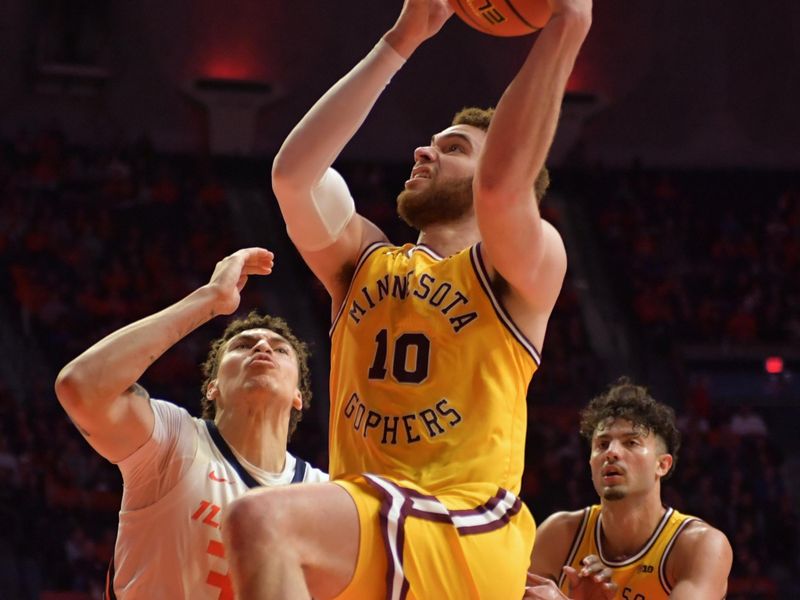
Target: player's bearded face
{"points": [[439, 202]]}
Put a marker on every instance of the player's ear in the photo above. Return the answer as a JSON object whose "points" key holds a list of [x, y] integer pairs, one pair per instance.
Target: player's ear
{"points": [[664, 464], [297, 400], [212, 391]]}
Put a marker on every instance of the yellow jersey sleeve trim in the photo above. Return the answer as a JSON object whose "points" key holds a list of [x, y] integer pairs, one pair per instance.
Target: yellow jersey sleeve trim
{"points": [[662, 567], [576, 543], [359, 263], [482, 274]]}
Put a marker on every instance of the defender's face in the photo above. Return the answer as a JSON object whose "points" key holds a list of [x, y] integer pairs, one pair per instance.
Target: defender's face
{"points": [[626, 460], [257, 360]]}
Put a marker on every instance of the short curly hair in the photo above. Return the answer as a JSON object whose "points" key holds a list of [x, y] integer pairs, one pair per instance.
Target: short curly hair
{"points": [[480, 118], [257, 321], [626, 400]]}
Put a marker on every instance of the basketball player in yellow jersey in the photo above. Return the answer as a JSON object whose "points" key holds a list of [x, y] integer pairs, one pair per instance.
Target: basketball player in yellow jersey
{"points": [[647, 550], [433, 344]]}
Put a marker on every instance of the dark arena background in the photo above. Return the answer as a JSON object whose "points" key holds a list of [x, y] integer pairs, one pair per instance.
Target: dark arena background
{"points": [[136, 140]]}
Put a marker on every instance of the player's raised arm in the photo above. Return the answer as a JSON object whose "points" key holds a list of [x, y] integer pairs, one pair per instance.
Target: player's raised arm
{"points": [[98, 388], [314, 199], [526, 251]]}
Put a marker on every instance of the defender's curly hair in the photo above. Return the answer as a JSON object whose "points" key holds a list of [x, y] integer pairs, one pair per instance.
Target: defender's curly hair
{"points": [[626, 400], [480, 118], [257, 321]]}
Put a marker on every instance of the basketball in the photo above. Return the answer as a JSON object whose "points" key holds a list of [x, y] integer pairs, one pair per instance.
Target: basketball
{"points": [[504, 18]]}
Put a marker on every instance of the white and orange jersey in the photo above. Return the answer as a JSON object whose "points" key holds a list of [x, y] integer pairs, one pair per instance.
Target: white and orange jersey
{"points": [[429, 376], [172, 548]]}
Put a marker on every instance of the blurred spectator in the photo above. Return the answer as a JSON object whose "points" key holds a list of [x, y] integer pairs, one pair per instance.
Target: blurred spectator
{"points": [[746, 422]]}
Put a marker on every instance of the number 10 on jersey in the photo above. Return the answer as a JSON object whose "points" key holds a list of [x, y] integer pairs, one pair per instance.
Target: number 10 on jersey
{"points": [[409, 357]]}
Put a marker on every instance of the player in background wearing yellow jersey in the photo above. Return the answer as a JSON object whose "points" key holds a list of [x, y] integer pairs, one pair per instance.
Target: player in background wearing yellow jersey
{"points": [[433, 345], [648, 550]]}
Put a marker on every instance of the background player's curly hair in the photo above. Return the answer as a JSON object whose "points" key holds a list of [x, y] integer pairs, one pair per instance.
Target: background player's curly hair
{"points": [[480, 118], [626, 400], [257, 321]]}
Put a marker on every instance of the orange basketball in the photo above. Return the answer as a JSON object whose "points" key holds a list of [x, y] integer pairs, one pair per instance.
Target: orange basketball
{"points": [[503, 17]]}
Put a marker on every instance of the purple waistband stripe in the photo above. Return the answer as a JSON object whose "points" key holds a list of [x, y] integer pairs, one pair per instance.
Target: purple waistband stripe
{"points": [[400, 503]]}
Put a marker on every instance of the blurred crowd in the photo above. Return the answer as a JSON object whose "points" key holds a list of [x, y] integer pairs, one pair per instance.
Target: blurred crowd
{"points": [[91, 240], [703, 256]]}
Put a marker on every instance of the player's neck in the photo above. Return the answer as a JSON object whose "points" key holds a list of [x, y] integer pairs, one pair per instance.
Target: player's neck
{"points": [[258, 436], [627, 525], [447, 239]]}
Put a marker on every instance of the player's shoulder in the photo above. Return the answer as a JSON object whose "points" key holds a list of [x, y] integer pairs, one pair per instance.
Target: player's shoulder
{"points": [[551, 229], [556, 250], [561, 527], [565, 517], [172, 413], [173, 422], [698, 539], [555, 538], [166, 406]]}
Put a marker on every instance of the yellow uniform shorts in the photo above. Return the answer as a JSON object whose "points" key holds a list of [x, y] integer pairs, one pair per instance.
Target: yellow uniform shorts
{"points": [[413, 547]]}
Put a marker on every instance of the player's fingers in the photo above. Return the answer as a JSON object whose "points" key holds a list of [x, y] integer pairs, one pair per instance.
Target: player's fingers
{"points": [[254, 251], [257, 269], [572, 575], [590, 559], [592, 569], [602, 575], [250, 256], [590, 565], [256, 261], [533, 578]]}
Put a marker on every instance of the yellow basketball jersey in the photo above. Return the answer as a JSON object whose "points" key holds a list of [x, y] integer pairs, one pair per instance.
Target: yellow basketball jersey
{"points": [[640, 577], [428, 376]]}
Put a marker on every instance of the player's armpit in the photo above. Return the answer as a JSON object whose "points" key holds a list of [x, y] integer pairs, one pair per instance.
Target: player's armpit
{"points": [[534, 276], [138, 390]]}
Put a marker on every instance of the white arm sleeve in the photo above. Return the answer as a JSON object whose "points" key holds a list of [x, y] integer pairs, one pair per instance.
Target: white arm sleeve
{"points": [[314, 198]]}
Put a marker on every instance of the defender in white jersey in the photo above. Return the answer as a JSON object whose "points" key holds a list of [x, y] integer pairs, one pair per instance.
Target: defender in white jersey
{"points": [[179, 472]]}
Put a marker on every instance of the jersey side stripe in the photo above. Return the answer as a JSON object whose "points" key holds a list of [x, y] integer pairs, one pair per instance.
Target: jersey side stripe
{"points": [[505, 318], [362, 259], [576, 542], [109, 591], [662, 567]]}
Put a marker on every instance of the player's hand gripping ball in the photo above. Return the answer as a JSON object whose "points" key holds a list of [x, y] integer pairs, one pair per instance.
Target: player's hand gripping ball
{"points": [[503, 17]]}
